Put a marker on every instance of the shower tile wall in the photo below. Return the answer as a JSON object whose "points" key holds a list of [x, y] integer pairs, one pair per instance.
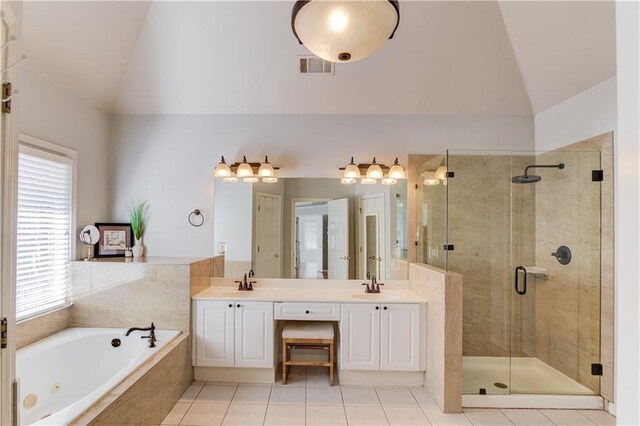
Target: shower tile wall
{"points": [[568, 310], [479, 226]]}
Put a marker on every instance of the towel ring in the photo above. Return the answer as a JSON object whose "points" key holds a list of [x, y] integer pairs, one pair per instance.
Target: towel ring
{"points": [[194, 214]]}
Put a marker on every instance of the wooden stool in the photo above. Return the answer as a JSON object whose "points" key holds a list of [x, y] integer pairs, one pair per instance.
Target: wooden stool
{"points": [[307, 335]]}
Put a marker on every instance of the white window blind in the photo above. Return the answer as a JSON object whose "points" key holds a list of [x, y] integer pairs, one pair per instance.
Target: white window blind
{"points": [[45, 218]]}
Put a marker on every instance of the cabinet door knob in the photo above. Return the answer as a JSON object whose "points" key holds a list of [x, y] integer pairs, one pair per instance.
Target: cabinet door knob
{"points": [[377, 307], [307, 311], [231, 305], [385, 308], [238, 305]]}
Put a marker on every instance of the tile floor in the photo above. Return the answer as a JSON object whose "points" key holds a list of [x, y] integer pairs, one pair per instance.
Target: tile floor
{"points": [[308, 399]]}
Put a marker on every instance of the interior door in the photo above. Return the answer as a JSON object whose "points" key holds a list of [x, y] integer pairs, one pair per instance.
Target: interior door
{"points": [[268, 259], [338, 239], [309, 243], [372, 236]]}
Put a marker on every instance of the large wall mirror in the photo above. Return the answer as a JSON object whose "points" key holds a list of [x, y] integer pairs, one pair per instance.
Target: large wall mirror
{"points": [[312, 228]]}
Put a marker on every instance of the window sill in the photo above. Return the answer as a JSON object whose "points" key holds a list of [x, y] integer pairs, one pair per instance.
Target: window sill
{"points": [[44, 313]]}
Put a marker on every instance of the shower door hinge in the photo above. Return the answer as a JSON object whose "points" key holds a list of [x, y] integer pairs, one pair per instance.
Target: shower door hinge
{"points": [[597, 175], [448, 247], [6, 94], [450, 174], [416, 186], [3, 333], [596, 369]]}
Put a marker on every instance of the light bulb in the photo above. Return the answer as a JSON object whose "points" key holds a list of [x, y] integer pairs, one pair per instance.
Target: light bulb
{"points": [[266, 169], [222, 169], [397, 171], [244, 169], [338, 20], [352, 171], [374, 171], [441, 172], [389, 181], [429, 179]]}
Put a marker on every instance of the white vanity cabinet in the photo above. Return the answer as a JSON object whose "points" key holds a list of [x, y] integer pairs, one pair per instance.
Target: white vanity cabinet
{"points": [[233, 334], [380, 337]]}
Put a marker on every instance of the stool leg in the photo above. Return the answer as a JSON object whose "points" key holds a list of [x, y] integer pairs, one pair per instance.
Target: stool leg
{"points": [[284, 362], [331, 361]]}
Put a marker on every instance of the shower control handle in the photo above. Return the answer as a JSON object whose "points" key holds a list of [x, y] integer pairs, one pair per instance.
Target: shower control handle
{"points": [[524, 281]]}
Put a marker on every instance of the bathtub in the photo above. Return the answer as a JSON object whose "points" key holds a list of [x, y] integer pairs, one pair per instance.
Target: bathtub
{"points": [[63, 375]]}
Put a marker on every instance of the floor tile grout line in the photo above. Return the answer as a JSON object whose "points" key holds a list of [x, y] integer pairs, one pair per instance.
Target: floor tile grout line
{"points": [[382, 405], [229, 405]]}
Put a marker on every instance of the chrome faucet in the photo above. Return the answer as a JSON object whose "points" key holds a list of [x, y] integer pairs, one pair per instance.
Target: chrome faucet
{"points": [[151, 336], [245, 285], [375, 286]]}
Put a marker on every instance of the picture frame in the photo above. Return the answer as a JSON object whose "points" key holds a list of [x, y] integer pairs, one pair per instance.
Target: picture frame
{"points": [[115, 238]]}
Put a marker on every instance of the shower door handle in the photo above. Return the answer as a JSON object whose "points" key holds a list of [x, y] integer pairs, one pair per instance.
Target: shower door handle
{"points": [[524, 280]]}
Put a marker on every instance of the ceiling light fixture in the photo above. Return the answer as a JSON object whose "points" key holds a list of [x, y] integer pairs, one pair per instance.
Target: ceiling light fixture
{"points": [[344, 31], [441, 172], [368, 181], [270, 179], [347, 181]]}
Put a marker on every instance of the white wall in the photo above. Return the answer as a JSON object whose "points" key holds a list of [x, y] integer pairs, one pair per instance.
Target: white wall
{"points": [[587, 114], [169, 159], [627, 215], [233, 211], [52, 114]]}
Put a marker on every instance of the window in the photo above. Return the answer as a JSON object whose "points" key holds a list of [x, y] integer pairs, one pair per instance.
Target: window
{"points": [[45, 227]]}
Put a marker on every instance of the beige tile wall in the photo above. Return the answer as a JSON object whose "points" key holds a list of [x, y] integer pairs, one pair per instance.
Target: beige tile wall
{"points": [[574, 306], [31, 331], [124, 295], [443, 378]]}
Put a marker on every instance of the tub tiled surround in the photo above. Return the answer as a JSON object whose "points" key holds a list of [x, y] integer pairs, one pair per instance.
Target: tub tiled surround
{"points": [[443, 379], [148, 395], [31, 331]]}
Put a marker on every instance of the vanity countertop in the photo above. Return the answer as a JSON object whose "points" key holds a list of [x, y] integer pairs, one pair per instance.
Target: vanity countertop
{"points": [[311, 295]]}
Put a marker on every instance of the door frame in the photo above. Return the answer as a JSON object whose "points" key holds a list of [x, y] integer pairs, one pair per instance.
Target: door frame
{"points": [[8, 210], [361, 256], [292, 239], [254, 249]]}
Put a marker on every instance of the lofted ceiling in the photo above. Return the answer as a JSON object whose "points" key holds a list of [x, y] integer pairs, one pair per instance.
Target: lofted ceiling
{"points": [[222, 57]]}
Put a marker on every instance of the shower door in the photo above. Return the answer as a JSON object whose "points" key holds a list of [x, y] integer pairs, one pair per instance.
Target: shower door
{"points": [[555, 273], [531, 315]]}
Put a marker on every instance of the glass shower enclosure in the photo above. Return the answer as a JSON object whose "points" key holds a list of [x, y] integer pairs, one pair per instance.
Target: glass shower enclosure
{"points": [[523, 228]]}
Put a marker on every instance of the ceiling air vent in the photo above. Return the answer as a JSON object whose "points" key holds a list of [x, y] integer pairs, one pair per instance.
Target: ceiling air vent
{"points": [[315, 65]]}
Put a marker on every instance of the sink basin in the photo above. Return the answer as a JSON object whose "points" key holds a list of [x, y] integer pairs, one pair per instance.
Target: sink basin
{"points": [[376, 296]]}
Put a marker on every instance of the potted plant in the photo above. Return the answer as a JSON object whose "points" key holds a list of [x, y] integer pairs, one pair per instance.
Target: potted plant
{"points": [[138, 222]]}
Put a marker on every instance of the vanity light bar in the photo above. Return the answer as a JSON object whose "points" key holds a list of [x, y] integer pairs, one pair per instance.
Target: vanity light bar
{"points": [[370, 173], [249, 172]]}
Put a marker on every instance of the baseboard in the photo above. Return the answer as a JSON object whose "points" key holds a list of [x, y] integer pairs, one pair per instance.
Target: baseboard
{"points": [[381, 378], [233, 374], [611, 408], [585, 402]]}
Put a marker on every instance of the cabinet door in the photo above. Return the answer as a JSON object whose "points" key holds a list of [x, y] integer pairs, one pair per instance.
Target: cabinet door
{"points": [[214, 333], [254, 334], [360, 336], [400, 337]]}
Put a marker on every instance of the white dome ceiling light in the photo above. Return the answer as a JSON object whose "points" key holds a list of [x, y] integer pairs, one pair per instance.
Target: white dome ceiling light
{"points": [[344, 31]]}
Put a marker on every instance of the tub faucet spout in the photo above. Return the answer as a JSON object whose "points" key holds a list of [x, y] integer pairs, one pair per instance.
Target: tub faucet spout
{"points": [[151, 336]]}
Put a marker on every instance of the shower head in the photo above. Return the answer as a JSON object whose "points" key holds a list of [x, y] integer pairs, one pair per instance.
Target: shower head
{"points": [[527, 178]]}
